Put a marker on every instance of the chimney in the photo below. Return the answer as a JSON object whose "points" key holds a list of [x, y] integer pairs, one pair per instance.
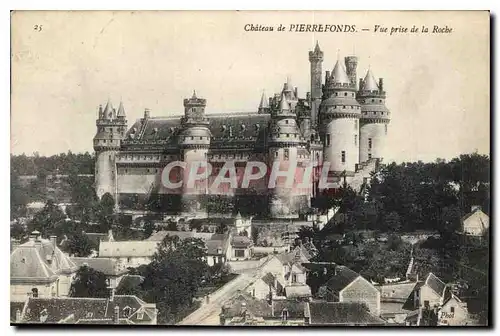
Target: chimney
{"points": [[18, 315], [53, 240], [296, 92], [361, 84], [146, 113], [116, 316], [381, 84]]}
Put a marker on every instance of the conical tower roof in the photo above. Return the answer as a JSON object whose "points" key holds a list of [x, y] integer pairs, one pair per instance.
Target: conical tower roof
{"points": [[316, 48], [339, 75], [264, 103], [284, 105], [369, 83], [108, 110], [121, 110]]}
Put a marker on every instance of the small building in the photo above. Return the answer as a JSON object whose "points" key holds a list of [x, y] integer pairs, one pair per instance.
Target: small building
{"points": [[241, 248], [453, 312], [475, 223], [128, 253], [38, 268], [345, 285]]}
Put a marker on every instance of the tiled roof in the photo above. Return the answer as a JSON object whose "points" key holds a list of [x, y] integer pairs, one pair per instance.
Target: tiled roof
{"points": [[343, 277], [241, 241], [39, 260], [269, 279], [108, 266], [143, 248], [435, 284], [341, 313], [255, 307], [296, 309], [57, 309]]}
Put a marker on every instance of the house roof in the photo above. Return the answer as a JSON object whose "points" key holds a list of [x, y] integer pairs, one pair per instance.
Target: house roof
{"points": [[296, 309], [341, 313], [465, 217], [108, 266], [57, 309], [39, 260], [241, 241], [435, 284], [343, 277], [143, 248], [396, 292], [297, 291], [242, 301]]}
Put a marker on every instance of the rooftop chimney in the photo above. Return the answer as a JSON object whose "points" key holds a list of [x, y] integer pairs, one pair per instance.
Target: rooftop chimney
{"points": [[381, 84], [116, 315], [146, 113]]}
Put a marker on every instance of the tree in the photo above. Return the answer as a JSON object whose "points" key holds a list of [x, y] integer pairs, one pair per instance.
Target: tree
{"points": [[149, 228], [17, 231], [107, 217], [89, 283], [174, 275], [46, 220], [392, 222], [79, 245], [172, 226]]}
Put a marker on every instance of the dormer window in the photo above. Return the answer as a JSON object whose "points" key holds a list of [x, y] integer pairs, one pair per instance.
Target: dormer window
{"points": [[140, 315]]}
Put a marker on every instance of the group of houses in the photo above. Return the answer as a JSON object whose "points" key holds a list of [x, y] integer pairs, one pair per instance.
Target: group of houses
{"points": [[281, 290]]}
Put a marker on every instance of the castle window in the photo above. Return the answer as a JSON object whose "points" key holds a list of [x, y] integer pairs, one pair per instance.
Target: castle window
{"points": [[287, 153], [288, 135], [276, 154], [380, 101], [343, 156], [192, 138], [353, 94], [327, 141], [286, 122], [34, 292], [355, 140], [201, 138], [369, 143], [369, 156], [373, 100], [345, 94], [343, 107], [385, 129], [336, 94], [126, 171]]}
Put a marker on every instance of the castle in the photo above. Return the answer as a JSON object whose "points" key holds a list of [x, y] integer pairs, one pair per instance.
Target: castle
{"points": [[340, 122]]}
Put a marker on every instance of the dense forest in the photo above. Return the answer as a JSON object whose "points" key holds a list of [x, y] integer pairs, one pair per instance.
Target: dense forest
{"points": [[64, 164]]}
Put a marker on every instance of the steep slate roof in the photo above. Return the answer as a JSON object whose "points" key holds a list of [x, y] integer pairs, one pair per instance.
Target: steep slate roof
{"points": [[39, 260], [341, 313], [296, 309], [108, 266], [339, 75], [58, 309], [369, 83], [435, 284], [343, 277], [144, 248], [255, 307]]}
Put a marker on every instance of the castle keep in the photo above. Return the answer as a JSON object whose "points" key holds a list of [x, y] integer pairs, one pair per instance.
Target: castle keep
{"points": [[340, 122]]}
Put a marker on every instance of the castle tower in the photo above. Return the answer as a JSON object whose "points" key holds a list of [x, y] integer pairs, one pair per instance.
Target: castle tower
{"points": [[264, 104], [111, 128], [316, 60], [351, 64], [375, 118], [285, 145], [339, 115], [194, 142]]}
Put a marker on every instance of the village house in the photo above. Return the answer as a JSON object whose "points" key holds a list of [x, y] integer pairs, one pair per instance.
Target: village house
{"points": [[116, 309], [345, 285], [454, 312], [475, 223], [39, 269], [128, 253], [392, 299]]}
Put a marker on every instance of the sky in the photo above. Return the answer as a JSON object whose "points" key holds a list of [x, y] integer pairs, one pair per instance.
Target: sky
{"points": [[437, 84]]}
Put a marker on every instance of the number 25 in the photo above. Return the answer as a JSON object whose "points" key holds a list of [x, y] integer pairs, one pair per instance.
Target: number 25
{"points": [[37, 28]]}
